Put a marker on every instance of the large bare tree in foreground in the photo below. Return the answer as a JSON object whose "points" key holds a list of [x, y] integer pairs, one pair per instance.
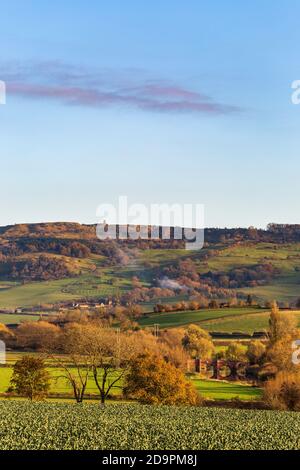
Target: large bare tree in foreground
{"points": [[93, 351]]}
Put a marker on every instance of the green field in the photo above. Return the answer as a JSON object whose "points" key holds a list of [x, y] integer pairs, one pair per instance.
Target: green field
{"points": [[131, 427], [222, 390], [88, 285], [207, 388], [176, 319], [14, 318], [214, 389], [95, 280], [59, 384], [243, 323], [227, 320], [284, 287]]}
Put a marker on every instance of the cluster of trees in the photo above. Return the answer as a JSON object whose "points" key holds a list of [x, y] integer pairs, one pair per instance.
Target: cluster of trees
{"points": [[42, 268], [183, 277], [199, 302], [145, 366], [243, 276], [186, 275], [275, 233], [198, 343], [65, 247], [254, 353], [125, 316], [112, 358], [282, 390], [182, 268], [144, 294]]}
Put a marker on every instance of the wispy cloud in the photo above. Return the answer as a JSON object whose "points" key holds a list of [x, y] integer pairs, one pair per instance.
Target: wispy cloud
{"points": [[72, 85]]}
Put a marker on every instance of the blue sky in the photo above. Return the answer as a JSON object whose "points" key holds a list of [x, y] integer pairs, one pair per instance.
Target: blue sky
{"points": [[165, 102]]}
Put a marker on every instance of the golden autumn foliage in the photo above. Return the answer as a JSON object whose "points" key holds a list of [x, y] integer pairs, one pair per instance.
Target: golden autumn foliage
{"points": [[36, 335], [5, 331], [283, 391], [151, 380], [198, 342], [282, 332]]}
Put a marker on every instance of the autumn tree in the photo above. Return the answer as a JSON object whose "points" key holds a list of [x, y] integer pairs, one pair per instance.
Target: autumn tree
{"points": [[36, 335], [30, 378], [5, 333], [151, 380], [171, 348], [70, 357], [91, 350], [198, 342], [74, 316], [134, 311], [235, 352], [255, 352], [283, 391], [282, 332], [109, 352]]}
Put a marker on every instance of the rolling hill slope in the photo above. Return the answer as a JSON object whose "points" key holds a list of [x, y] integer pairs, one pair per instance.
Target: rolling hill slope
{"points": [[53, 263]]}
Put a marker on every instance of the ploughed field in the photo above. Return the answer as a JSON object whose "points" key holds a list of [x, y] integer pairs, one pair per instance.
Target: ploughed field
{"points": [[27, 425]]}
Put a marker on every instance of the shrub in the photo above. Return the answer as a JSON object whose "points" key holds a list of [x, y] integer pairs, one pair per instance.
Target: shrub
{"points": [[283, 392]]}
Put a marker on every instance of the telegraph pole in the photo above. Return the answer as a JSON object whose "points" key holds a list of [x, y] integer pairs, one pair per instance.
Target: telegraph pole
{"points": [[156, 330], [118, 347]]}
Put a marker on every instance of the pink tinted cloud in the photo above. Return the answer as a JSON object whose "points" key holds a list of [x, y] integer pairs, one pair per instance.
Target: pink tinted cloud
{"points": [[71, 86]]}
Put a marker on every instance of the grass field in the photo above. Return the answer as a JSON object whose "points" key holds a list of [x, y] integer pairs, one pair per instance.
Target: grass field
{"points": [[207, 388], [176, 319], [89, 285], [59, 384], [68, 426], [14, 318], [244, 323], [96, 280], [222, 390], [244, 320], [285, 287]]}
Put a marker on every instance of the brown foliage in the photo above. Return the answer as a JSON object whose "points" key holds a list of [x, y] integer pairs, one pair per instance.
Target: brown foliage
{"points": [[255, 352], [235, 352], [39, 335], [197, 342], [283, 330], [283, 392], [30, 378], [152, 380]]}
